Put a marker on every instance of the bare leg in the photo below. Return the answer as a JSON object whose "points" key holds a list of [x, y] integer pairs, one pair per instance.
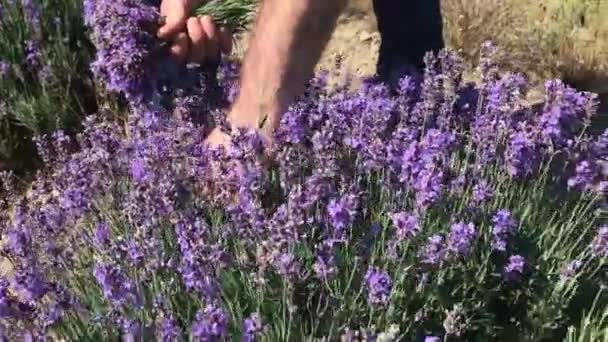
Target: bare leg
{"points": [[287, 42]]}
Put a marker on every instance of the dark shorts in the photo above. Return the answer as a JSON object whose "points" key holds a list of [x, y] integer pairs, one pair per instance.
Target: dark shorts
{"points": [[408, 29]]}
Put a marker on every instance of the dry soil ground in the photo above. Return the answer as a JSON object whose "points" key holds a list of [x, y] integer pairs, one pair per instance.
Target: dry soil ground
{"points": [[356, 39]]}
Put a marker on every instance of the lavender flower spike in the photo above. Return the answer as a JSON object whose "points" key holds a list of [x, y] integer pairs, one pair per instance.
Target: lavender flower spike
{"points": [[379, 286]]}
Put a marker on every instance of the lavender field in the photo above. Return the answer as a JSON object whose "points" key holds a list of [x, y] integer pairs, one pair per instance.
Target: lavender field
{"points": [[445, 211]]}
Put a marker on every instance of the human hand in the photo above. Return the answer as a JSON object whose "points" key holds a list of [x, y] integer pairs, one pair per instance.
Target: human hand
{"points": [[193, 39], [245, 117]]}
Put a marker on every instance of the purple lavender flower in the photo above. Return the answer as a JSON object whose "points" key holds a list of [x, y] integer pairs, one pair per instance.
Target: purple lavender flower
{"points": [[460, 238], [6, 302], [252, 327], [211, 324], [45, 74], [458, 184], [169, 329], [184, 208], [571, 269], [32, 54], [19, 240], [434, 251], [565, 112], [429, 185], [139, 171], [30, 284], [124, 39], [325, 265], [379, 287], [131, 330], [521, 155], [503, 227], [406, 225], [102, 234], [4, 69], [482, 193], [287, 265], [515, 267], [135, 254], [31, 10], [116, 287], [599, 245], [585, 174], [432, 339], [342, 213], [89, 11]]}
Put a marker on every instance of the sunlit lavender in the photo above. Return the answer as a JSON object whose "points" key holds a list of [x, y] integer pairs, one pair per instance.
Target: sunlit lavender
{"points": [[443, 210]]}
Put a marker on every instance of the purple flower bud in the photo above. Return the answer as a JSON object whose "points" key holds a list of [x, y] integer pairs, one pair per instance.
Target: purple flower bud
{"points": [[31, 8], [116, 287], [379, 287], [515, 267], [102, 234], [33, 54], [521, 155], [134, 253], [211, 324], [342, 213], [288, 265], [169, 330], [460, 238], [599, 245], [482, 193], [406, 225], [5, 67], [252, 327], [434, 252], [571, 269], [138, 171], [503, 227]]}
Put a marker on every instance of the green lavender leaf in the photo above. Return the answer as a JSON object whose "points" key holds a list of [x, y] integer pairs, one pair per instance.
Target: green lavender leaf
{"points": [[236, 14]]}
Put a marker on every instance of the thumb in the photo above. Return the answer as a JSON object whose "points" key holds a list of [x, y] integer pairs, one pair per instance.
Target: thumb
{"points": [[175, 19]]}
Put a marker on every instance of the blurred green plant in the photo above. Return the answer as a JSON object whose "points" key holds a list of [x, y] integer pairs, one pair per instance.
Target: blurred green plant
{"points": [[593, 326]]}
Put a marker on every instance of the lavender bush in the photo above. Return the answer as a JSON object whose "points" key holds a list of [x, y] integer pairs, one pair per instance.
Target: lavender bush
{"points": [[45, 56], [44, 80], [444, 211]]}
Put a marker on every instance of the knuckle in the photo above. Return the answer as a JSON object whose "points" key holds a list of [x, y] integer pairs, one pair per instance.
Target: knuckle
{"points": [[192, 22]]}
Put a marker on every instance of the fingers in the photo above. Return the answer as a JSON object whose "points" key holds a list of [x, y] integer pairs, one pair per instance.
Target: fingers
{"points": [[195, 40], [207, 41], [198, 38], [179, 49], [211, 32], [175, 20], [225, 40]]}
